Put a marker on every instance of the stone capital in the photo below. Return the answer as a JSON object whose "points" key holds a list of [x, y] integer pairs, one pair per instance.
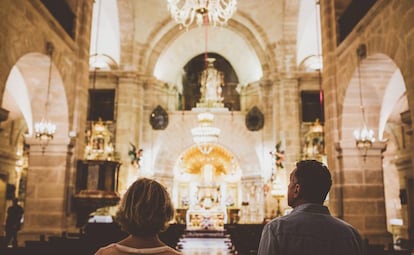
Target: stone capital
{"points": [[53, 147], [349, 148]]}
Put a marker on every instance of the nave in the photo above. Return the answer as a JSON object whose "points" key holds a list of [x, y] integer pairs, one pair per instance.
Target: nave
{"points": [[240, 239], [136, 110], [206, 246]]}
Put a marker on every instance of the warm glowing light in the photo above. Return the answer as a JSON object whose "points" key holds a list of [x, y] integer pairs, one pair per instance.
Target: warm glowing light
{"points": [[205, 135], [44, 130], [364, 137], [213, 12], [278, 189]]}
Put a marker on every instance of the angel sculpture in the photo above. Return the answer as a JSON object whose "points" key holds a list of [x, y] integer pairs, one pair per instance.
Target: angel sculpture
{"points": [[279, 155], [135, 155]]}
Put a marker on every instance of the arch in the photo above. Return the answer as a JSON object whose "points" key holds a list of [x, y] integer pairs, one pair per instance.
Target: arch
{"points": [[308, 41], [126, 25], [192, 159], [192, 43], [191, 93], [384, 99], [394, 102], [29, 79], [167, 146], [105, 30], [378, 75], [179, 46], [16, 99]]}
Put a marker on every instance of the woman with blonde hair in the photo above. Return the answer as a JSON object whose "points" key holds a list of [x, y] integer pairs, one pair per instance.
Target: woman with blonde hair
{"points": [[143, 213]]}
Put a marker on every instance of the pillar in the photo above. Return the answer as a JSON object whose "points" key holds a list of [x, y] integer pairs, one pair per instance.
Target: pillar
{"points": [[46, 199], [252, 210], [404, 166], [362, 189], [129, 118]]}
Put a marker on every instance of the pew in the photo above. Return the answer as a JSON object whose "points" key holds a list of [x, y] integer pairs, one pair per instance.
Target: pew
{"points": [[245, 237]]}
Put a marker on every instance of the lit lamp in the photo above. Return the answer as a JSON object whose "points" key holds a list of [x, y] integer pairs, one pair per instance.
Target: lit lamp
{"points": [[278, 191], [205, 135], [184, 12], [45, 129], [364, 137]]}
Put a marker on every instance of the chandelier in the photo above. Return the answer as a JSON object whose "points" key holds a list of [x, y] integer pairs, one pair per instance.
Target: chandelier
{"points": [[45, 129], [212, 12], [205, 135], [364, 137]]}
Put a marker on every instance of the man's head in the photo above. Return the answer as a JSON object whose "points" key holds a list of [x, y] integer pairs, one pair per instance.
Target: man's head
{"points": [[310, 182]]}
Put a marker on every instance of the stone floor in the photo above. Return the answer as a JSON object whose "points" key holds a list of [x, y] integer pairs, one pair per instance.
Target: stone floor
{"points": [[205, 246]]}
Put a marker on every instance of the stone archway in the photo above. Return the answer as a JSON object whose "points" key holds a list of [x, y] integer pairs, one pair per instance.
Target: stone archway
{"points": [[45, 196], [164, 147], [362, 182], [207, 184]]}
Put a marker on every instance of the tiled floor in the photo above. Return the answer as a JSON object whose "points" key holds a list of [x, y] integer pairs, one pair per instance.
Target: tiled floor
{"points": [[205, 246]]}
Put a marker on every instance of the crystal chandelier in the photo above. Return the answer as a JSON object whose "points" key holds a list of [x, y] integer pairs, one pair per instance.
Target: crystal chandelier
{"points": [[364, 137], [212, 12], [45, 129], [205, 135]]}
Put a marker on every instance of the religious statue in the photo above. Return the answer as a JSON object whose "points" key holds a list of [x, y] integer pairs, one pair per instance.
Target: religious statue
{"points": [[211, 81], [279, 155], [135, 155]]}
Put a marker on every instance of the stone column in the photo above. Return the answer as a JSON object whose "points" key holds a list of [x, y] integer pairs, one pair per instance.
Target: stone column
{"points": [[129, 120], [362, 186], [252, 193], [404, 163], [166, 179], [404, 166], [331, 105], [46, 193], [289, 119]]}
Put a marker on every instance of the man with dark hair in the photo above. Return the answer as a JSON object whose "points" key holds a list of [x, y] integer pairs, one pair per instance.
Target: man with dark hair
{"points": [[13, 222], [309, 228]]}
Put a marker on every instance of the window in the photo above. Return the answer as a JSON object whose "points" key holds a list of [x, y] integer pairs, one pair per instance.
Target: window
{"points": [[311, 107], [101, 104]]}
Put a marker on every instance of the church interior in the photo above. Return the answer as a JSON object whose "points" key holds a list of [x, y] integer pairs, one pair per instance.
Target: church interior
{"points": [[97, 93]]}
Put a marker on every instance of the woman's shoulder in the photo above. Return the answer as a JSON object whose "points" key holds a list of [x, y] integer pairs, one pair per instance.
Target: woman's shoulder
{"points": [[106, 250], [115, 248], [171, 251]]}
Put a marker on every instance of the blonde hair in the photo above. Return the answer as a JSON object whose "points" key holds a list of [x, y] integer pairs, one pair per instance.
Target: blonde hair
{"points": [[145, 209]]}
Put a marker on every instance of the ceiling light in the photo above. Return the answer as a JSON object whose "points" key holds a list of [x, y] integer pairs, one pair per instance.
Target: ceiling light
{"points": [[213, 12]]}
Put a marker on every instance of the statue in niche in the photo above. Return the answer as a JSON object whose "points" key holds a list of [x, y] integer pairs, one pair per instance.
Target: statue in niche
{"points": [[211, 81]]}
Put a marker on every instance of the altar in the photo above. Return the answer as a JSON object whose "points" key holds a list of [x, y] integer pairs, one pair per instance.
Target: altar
{"points": [[205, 195], [209, 213], [206, 219]]}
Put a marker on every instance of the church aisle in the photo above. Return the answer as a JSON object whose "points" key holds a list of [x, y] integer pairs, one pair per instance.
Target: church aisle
{"points": [[205, 246]]}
